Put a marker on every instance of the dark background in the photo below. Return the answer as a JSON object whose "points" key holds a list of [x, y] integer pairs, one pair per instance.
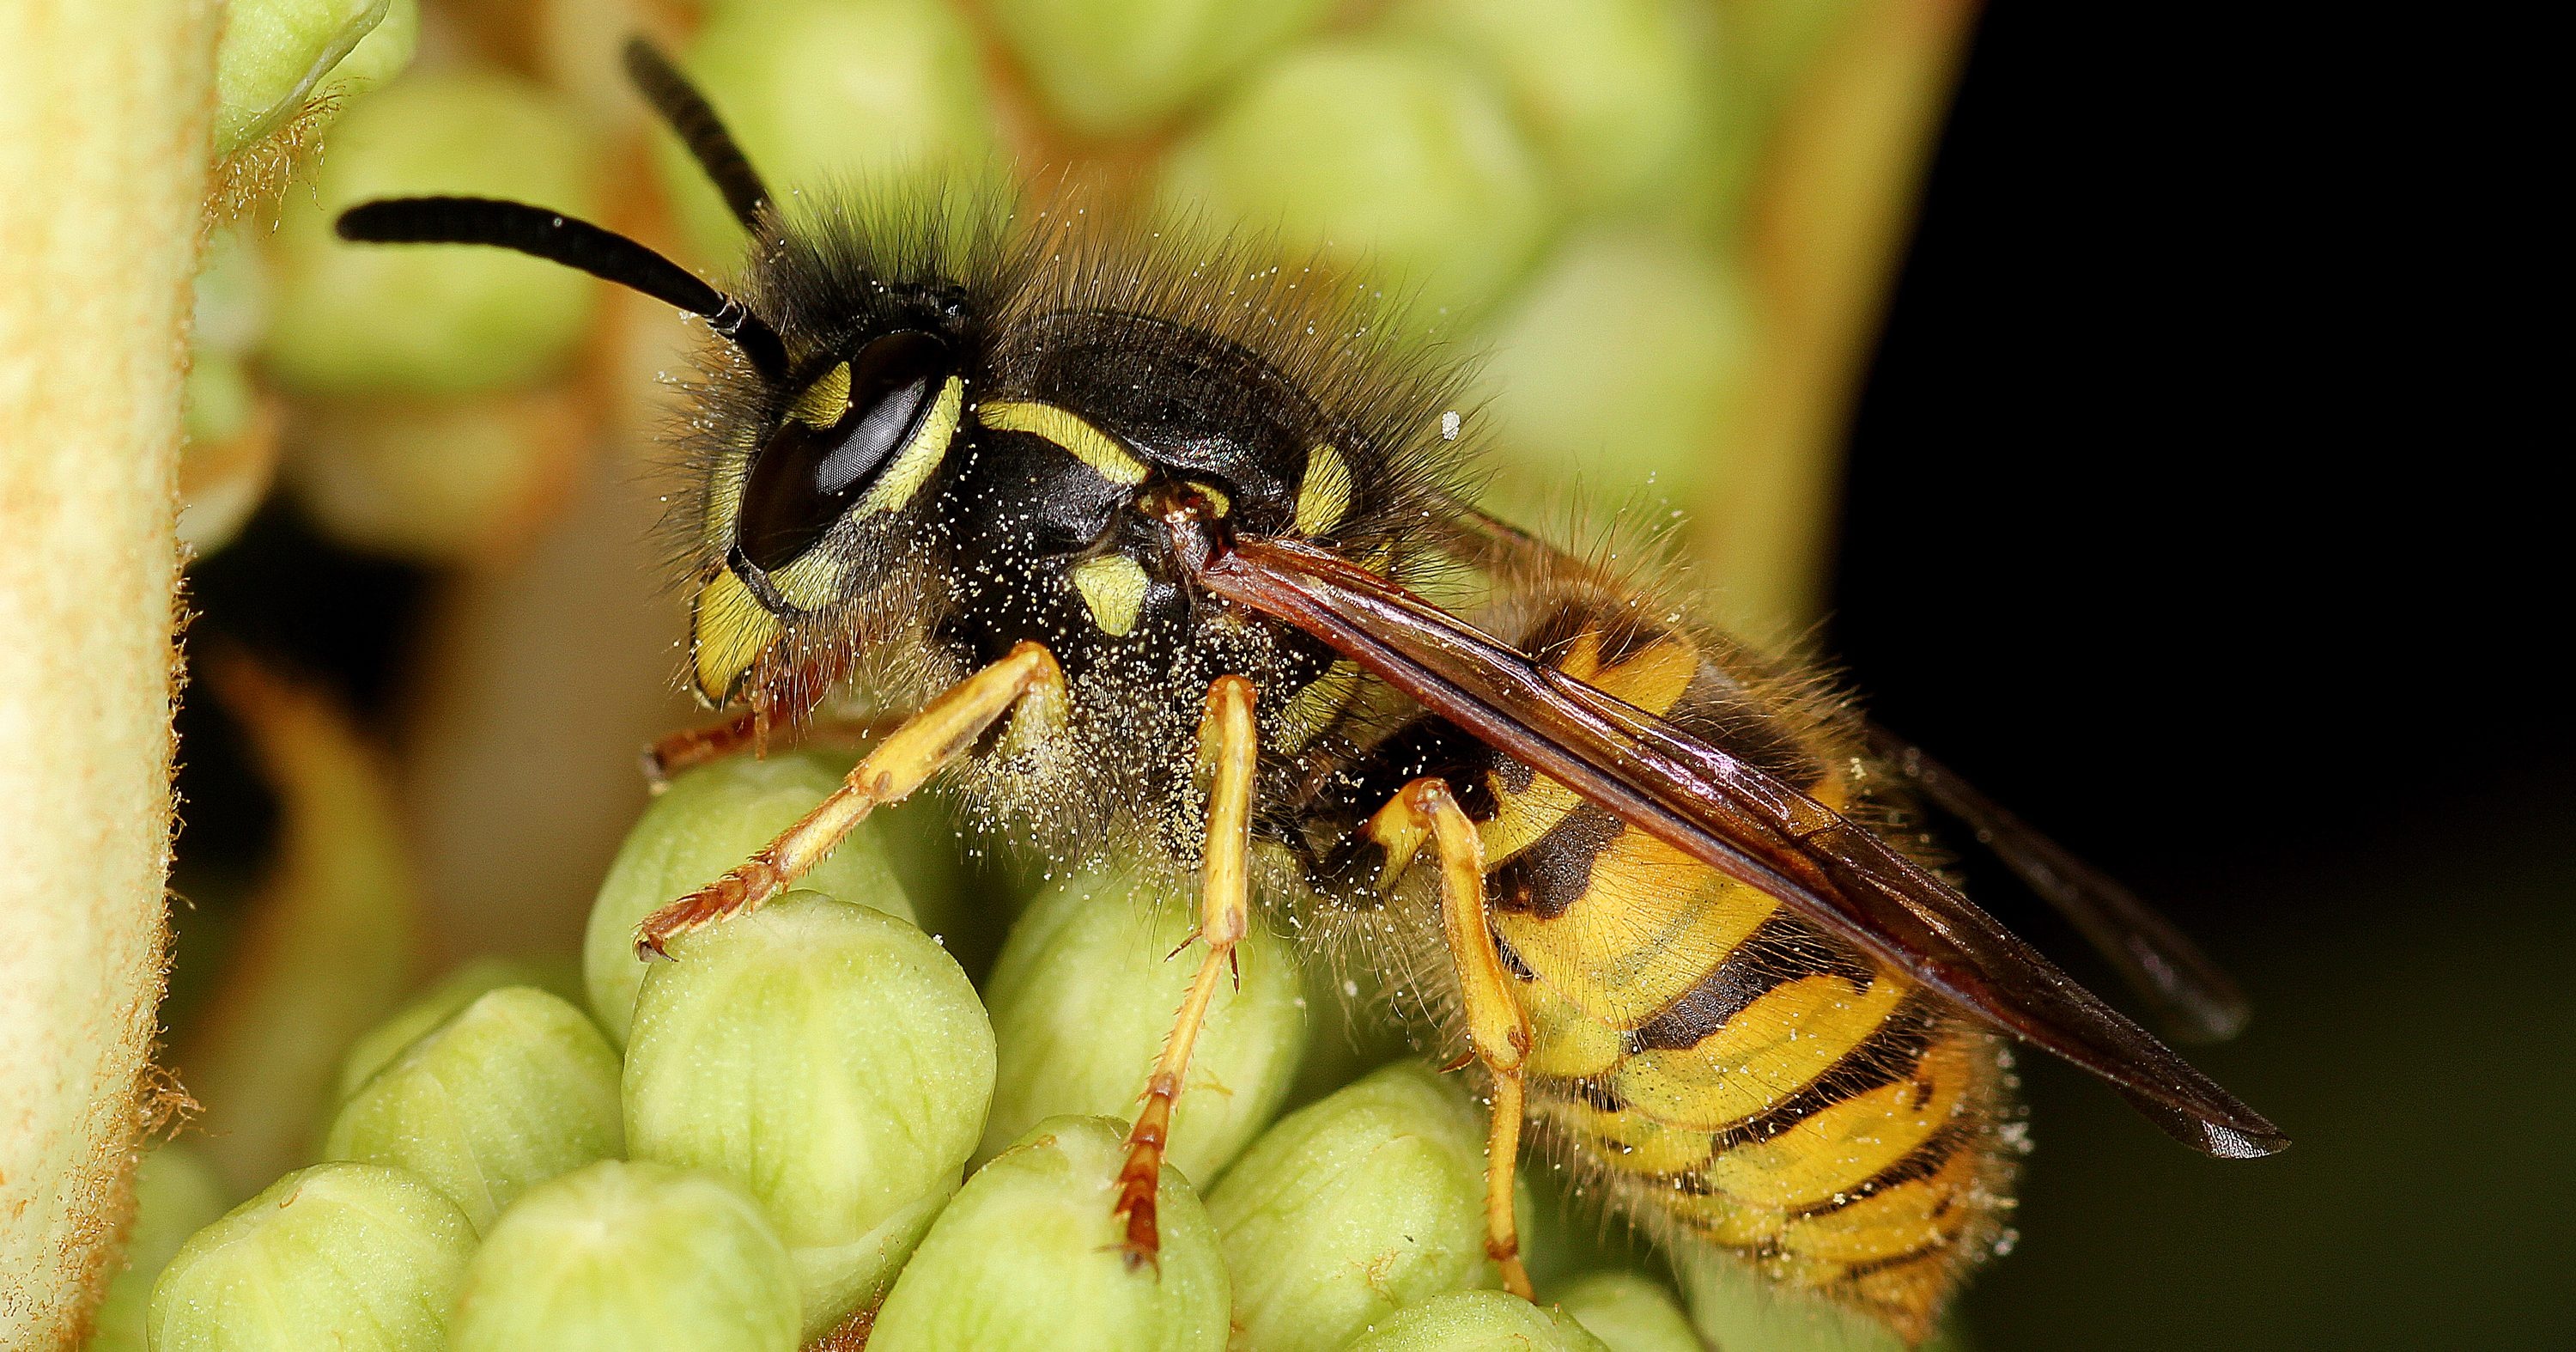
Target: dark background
{"points": [[2195, 511]]}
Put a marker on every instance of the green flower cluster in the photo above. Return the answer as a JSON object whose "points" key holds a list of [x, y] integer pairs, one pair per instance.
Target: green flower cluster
{"points": [[812, 1127]]}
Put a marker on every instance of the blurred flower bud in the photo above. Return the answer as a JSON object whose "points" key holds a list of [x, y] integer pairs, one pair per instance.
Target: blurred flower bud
{"points": [[352, 1257], [1027, 1259], [620, 1256], [1629, 1313], [275, 55], [378, 1046], [375, 319], [232, 286], [1478, 1321], [175, 1194], [437, 481], [230, 452], [514, 1089], [1390, 152], [1082, 1000], [1115, 67], [710, 819], [1733, 1307], [832, 1061], [793, 78], [1352, 1208], [1616, 93], [1629, 355]]}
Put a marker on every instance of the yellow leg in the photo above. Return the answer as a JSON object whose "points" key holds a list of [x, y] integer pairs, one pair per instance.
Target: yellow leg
{"points": [[919, 748], [1229, 744], [1498, 1029]]}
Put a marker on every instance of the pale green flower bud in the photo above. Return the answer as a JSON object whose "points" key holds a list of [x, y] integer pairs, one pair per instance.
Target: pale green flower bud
{"points": [[1082, 1001], [470, 981], [1629, 1313], [275, 54], [888, 94], [1631, 355], [1385, 151], [708, 820], [1734, 1307], [831, 1060], [1617, 93], [352, 1257], [435, 480], [622, 1256], [231, 292], [176, 1193], [382, 54], [1352, 1208], [1027, 1259], [514, 1089], [1112, 67], [372, 319], [1478, 1321]]}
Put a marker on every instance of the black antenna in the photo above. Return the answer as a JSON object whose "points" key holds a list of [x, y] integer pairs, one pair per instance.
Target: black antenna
{"points": [[689, 114], [558, 238]]}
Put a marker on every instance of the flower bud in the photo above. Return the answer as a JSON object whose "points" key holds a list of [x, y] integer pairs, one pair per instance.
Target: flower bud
{"points": [[1734, 1306], [1616, 93], [373, 319], [619, 1256], [1115, 67], [378, 1046], [1082, 1001], [832, 1061], [1352, 1208], [1478, 1321], [1642, 330], [231, 295], [230, 452], [793, 77], [275, 55], [1387, 151], [514, 1089], [437, 480], [175, 1194], [1629, 1313], [710, 819], [1028, 1259], [353, 1257]]}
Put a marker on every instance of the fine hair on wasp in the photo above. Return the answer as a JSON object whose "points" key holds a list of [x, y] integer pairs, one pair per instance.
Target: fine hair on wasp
{"points": [[1132, 536]]}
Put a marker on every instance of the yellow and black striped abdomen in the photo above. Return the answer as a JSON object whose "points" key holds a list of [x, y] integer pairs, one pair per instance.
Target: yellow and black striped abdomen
{"points": [[1737, 1076]]}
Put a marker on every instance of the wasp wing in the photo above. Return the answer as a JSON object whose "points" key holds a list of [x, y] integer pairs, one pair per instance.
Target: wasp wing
{"points": [[2190, 993], [1743, 822]]}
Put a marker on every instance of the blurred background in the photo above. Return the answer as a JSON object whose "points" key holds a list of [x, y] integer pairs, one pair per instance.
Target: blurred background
{"points": [[2057, 374]]}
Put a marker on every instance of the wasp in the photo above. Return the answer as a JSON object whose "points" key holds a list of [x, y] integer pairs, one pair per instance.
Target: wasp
{"points": [[1142, 538]]}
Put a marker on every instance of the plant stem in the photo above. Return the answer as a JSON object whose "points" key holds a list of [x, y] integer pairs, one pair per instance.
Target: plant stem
{"points": [[103, 148]]}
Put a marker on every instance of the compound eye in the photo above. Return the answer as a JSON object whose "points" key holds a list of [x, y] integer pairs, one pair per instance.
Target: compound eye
{"points": [[867, 427]]}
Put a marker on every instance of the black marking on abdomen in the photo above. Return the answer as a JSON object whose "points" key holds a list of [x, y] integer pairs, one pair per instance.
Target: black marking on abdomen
{"points": [[1891, 1052], [1781, 949], [1553, 872]]}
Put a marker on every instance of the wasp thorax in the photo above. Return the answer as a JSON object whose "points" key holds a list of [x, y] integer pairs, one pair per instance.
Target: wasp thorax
{"points": [[875, 413]]}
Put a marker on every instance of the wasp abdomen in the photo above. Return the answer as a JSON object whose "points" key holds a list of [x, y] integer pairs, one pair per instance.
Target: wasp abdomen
{"points": [[1735, 1074]]}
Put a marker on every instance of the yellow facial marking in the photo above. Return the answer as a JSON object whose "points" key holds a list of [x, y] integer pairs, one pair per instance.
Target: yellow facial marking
{"points": [[1113, 587], [1065, 428], [824, 401], [913, 464], [1324, 496], [728, 631]]}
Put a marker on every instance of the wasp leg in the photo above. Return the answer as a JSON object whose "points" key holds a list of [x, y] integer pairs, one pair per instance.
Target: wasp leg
{"points": [[1498, 1030], [692, 747], [918, 748], [1229, 743]]}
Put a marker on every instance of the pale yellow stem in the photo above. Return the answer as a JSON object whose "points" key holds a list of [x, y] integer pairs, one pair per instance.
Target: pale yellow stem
{"points": [[1833, 206], [103, 146]]}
